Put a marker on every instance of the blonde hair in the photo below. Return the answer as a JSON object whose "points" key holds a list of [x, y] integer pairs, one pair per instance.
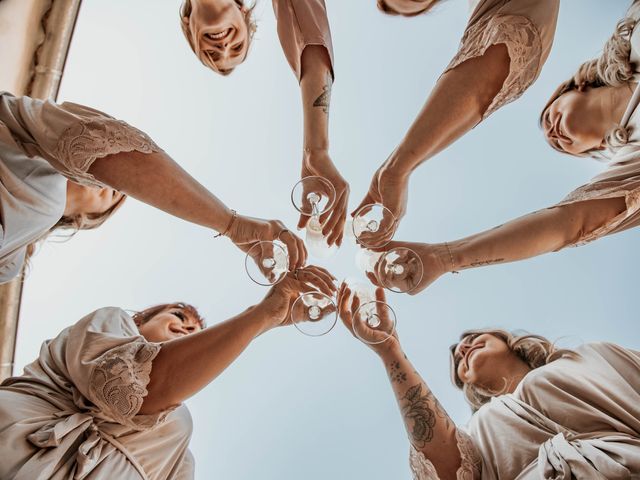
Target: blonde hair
{"points": [[535, 350], [613, 68], [185, 13], [75, 223]]}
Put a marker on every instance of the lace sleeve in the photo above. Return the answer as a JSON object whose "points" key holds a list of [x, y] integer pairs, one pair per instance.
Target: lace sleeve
{"points": [[117, 384], [470, 467], [522, 39], [85, 142]]}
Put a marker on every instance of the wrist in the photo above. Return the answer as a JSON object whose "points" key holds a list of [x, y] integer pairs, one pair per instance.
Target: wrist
{"points": [[389, 349], [400, 164], [448, 258]]}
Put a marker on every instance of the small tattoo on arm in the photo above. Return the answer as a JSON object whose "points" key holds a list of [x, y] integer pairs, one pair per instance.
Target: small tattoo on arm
{"points": [[324, 99], [395, 374], [482, 263]]}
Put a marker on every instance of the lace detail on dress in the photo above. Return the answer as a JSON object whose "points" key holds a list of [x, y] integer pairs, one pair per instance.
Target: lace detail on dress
{"points": [[85, 142], [522, 39], [470, 466], [118, 384]]}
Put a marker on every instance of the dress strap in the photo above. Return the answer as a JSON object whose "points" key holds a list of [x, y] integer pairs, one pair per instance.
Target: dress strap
{"points": [[631, 107]]}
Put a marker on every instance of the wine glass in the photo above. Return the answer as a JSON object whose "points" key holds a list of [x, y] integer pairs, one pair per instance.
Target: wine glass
{"points": [[399, 269], [374, 321], [313, 196], [374, 225], [314, 314], [267, 262]]}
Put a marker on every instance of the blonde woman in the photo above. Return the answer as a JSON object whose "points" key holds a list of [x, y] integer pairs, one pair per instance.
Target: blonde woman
{"points": [[503, 50], [538, 412], [220, 33], [596, 114], [70, 166], [104, 398]]}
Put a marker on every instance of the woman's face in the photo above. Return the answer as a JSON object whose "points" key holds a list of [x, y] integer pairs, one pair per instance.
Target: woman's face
{"points": [[483, 360], [169, 324], [90, 200], [220, 32], [572, 124]]}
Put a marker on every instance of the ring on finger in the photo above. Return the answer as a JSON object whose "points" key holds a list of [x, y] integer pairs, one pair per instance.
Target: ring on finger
{"points": [[284, 230]]}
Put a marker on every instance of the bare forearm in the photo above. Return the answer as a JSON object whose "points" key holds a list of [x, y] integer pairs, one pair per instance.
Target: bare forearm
{"points": [[159, 181], [186, 365], [428, 425], [455, 105], [540, 232], [315, 88]]}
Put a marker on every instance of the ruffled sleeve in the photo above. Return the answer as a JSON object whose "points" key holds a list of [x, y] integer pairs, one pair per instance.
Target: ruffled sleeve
{"points": [[470, 467], [620, 180], [302, 23], [69, 136], [526, 28], [109, 364]]}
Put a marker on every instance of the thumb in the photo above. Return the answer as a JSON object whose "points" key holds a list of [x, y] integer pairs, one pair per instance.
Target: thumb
{"points": [[365, 201]]}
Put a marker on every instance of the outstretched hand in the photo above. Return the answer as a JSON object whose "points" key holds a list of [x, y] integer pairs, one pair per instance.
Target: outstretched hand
{"points": [[434, 265], [247, 231], [317, 162], [281, 296], [389, 189], [376, 339]]}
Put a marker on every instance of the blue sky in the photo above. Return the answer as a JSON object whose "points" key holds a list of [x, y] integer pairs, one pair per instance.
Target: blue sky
{"points": [[295, 407]]}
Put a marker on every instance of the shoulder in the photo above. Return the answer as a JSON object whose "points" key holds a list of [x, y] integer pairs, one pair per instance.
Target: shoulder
{"points": [[107, 320]]}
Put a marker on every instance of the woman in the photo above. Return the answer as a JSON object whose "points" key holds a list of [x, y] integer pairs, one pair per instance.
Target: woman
{"points": [[220, 32], [41, 143], [503, 49], [104, 398], [538, 412], [593, 114]]}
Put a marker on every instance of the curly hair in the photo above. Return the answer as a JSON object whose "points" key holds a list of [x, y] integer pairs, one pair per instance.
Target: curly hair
{"points": [[535, 350], [185, 13], [613, 68]]}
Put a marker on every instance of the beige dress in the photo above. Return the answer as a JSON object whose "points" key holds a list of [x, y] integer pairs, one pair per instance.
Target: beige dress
{"points": [[525, 27], [73, 414], [302, 23], [575, 418], [622, 177], [41, 143]]}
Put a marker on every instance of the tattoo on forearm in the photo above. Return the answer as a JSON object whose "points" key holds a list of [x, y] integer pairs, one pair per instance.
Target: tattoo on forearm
{"points": [[419, 416], [397, 375], [482, 263], [324, 100]]}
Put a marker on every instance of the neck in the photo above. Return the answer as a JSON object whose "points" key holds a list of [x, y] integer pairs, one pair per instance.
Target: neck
{"points": [[613, 103]]}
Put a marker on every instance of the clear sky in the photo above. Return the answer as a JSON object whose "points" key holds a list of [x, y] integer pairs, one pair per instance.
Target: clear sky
{"points": [[316, 408]]}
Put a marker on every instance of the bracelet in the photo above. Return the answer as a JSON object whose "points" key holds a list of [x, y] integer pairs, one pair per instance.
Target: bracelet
{"points": [[453, 265], [234, 215]]}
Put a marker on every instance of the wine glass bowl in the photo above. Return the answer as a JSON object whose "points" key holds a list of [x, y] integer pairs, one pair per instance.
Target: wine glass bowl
{"points": [[266, 262], [399, 270], [313, 196], [374, 225], [374, 322], [314, 314]]}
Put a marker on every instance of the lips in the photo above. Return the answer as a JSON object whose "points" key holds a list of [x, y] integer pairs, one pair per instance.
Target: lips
{"points": [[468, 354], [218, 36]]}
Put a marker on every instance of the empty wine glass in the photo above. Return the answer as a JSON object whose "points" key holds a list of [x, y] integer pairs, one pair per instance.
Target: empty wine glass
{"points": [[374, 321], [399, 269], [314, 314], [267, 262], [314, 196], [374, 225]]}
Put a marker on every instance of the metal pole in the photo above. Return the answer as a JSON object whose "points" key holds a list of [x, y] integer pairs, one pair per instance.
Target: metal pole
{"points": [[58, 24]]}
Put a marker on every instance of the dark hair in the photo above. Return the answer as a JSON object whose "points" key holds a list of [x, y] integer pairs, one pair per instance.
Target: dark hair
{"points": [[143, 316], [384, 7]]}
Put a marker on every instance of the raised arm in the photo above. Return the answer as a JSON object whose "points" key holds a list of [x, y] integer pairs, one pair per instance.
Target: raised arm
{"points": [[455, 105], [303, 29], [156, 179], [186, 365], [534, 234], [429, 428]]}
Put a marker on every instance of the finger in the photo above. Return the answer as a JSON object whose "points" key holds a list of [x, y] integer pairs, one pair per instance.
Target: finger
{"points": [[302, 222], [365, 201], [323, 270], [326, 277], [302, 252], [314, 281], [334, 227], [373, 279], [388, 246], [293, 249]]}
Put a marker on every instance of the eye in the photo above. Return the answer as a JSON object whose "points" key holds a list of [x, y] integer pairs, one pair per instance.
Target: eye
{"points": [[179, 314], [238, 48]]}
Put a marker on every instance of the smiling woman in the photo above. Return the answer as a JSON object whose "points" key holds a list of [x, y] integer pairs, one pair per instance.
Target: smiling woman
{"points": [[539, 412]]}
